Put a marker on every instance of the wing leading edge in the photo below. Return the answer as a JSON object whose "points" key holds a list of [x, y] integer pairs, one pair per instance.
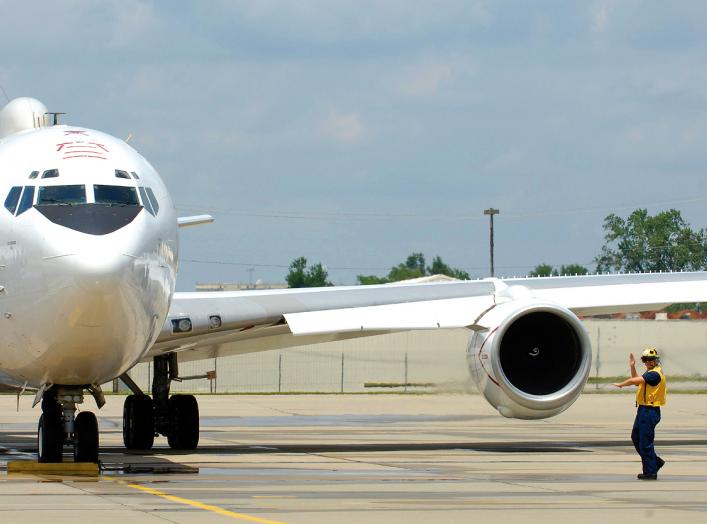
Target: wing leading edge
{"points": [[250, 321]]}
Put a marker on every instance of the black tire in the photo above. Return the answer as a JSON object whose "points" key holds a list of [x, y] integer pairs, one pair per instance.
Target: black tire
{"points": [[50, 437], [183, 422], [85, 437], [138, 422]]}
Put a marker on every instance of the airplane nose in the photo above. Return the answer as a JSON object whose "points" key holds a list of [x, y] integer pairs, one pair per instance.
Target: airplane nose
{"points": [[102, 272], [101, 319]]}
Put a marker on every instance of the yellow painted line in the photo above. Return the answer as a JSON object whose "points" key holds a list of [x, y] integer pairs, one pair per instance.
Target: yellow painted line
{"points": [[201, 505]]}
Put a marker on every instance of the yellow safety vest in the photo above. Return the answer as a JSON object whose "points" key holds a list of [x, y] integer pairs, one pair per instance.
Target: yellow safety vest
{"points": [[648, 395]]}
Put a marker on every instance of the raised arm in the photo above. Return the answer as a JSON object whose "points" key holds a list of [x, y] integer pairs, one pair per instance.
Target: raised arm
{"points": [[632, 365]]}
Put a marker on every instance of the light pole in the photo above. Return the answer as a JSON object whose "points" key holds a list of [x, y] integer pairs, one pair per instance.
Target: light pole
{"points": [[491, 212]]}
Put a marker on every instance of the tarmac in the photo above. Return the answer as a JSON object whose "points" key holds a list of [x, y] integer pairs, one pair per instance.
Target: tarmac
{"points": [[372, 459]]}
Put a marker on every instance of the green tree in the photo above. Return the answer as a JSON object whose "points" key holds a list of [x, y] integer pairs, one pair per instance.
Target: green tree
{"points": [[546, 270], [573, 269], [367, 280], [642, 243], [414, 267], [438, 267], [416, 263], [404, 272], [543, 270], [302, 276]]}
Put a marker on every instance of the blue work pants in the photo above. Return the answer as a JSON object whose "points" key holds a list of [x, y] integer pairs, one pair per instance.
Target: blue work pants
{"points": [[643, 434]]}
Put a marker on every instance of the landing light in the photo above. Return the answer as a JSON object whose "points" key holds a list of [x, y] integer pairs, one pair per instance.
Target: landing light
{"points": [[215, 322], [181, 325]]}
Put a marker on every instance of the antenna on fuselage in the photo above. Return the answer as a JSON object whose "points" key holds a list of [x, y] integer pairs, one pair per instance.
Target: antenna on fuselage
{"points": [[4, 93], [56, 116]]}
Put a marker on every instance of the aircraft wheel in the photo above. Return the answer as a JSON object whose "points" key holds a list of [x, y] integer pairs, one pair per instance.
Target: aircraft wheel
{"points": [[50, 437], [85, 437], [183, 422], [138, 422]]}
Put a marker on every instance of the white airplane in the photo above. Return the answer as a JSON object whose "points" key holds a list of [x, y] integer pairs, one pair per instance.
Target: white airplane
{"points": [[88, 263]]}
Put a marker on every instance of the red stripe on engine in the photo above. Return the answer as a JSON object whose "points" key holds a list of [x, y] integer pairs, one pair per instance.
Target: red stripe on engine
{"points": [[482, 362]]}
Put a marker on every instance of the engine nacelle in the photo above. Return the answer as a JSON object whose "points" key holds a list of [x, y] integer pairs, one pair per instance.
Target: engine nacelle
{"points": [[534, 359]]}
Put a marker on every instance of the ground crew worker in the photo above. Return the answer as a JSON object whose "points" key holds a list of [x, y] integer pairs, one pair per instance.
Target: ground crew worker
{"points": [[652, 389]]}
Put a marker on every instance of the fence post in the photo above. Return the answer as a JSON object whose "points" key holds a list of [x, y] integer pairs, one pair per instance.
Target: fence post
{"points": [[406, 373], [342, 372], [279, 373]]}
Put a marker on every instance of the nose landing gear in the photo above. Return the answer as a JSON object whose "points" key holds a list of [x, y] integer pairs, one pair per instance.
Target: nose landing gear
{"points": [[58, 426]]}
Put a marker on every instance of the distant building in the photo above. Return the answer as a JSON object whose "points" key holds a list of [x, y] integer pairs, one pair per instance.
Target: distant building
{"points": [[239, 286]]}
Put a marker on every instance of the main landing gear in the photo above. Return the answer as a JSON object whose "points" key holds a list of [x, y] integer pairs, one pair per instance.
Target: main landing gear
{"points": [[176, 416], [59, 426]]}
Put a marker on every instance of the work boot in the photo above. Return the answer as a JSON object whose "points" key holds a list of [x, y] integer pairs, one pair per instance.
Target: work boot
{"points": [[646, 476], [660, 462]]}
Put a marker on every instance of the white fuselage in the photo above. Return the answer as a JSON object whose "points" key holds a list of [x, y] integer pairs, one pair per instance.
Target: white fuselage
{"points": [[86, 285]]}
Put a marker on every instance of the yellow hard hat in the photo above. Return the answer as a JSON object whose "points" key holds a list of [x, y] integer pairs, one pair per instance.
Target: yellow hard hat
{"points": [[649, 354]]}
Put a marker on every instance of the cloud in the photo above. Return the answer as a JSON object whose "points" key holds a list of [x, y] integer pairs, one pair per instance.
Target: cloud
{"points": [[508, 160], [343, 127], [600, 17], [131, 21], [425, 79]]}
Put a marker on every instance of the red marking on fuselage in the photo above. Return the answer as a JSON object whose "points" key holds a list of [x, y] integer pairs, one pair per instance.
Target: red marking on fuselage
{"points": [[75, 132], [69, 157], [82, 149], [104, 148]]}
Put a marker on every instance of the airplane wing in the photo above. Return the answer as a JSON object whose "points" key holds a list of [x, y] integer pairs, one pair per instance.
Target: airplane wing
{"points": [[208, 324]]}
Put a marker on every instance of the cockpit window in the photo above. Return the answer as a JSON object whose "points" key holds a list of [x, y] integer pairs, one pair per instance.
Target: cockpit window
{"points": [[26, 200], [50, 173], [13, 197], [146, 201], [119, 173], [134, 175], [153, 200], [61, 195], [34, 174], [116, 195]]}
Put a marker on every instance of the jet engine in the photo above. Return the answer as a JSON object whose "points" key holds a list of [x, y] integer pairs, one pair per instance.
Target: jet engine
{"points": [[532, 359]]}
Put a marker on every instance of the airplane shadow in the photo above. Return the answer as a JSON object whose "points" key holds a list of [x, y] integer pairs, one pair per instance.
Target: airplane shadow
{"points": [[22, 445]]}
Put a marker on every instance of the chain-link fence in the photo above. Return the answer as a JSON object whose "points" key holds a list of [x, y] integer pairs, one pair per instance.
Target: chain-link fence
{"points": [[429, 361]]}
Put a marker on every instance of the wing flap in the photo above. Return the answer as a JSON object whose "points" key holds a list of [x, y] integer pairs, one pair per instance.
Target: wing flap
{"points": [[430, 314]]}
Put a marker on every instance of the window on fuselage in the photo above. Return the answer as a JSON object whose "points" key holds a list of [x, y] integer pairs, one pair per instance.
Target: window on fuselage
{"points": [[13, 197], [146, 201], [50, 173], [26, 200], [119, 173], [61, 195], [34, 174], [115, 195], [134, 175], [153, 200]]}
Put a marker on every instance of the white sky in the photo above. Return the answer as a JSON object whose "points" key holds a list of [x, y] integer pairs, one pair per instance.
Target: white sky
{"points": [[356, 132]]}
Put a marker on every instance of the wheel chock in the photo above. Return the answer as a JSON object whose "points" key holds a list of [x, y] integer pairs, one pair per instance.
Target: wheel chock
{"points": [[31, 467]]}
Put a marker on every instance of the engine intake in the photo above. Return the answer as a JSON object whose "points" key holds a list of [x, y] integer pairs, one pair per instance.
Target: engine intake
{"points": [[533, 361]]}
